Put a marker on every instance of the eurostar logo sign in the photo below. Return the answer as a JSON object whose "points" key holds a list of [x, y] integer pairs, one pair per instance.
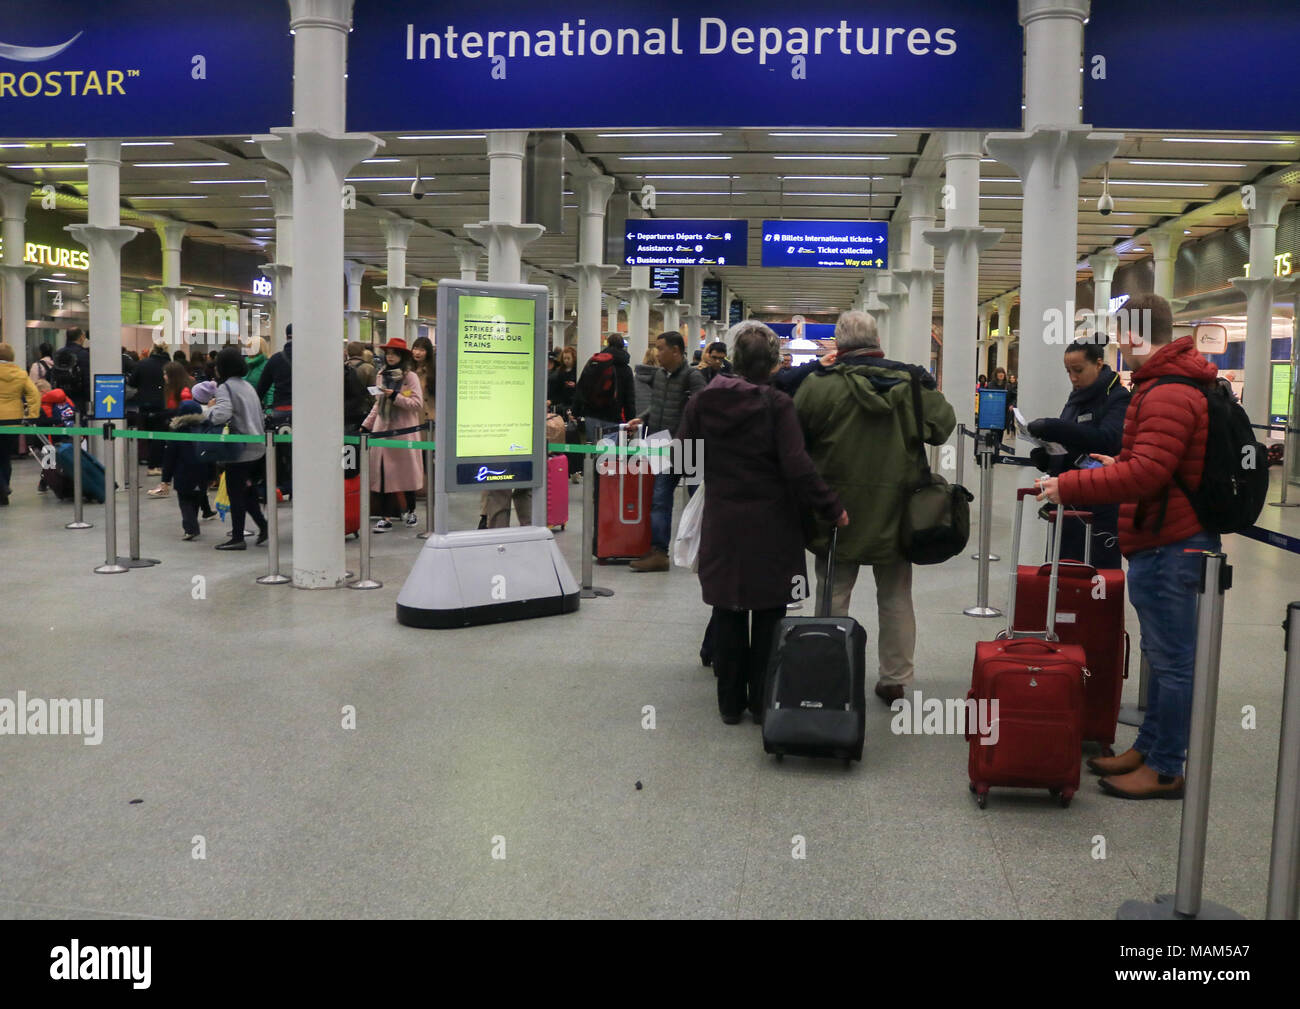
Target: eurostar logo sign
{"points": [[34, 54]]}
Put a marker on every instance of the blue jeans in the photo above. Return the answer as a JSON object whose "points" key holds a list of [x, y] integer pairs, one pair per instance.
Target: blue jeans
{"points": [[1163, 584], [661, 509]]}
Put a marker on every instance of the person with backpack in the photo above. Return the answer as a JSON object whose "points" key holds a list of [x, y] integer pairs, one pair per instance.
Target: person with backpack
{"points": [[1189, 470], [40, 369], [70, 368], [237, 404], [606, 392], [184, 470]]}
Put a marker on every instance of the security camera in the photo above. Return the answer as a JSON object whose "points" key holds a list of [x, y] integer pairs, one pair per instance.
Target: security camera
{"points": [[1105, 205], [417, 187]]}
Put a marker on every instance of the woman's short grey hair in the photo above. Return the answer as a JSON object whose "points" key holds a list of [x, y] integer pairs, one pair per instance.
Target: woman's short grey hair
{"points": [[756, 350], [856, 331]]}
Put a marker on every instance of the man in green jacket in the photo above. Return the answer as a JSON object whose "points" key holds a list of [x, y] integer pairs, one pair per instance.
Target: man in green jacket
{"points": [[860, 427]]}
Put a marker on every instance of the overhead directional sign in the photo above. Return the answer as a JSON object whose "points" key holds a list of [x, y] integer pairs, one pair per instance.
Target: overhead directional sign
{"points": [[499, 64], [658, 242], [133, 68], [110, 397], [852, 245]]}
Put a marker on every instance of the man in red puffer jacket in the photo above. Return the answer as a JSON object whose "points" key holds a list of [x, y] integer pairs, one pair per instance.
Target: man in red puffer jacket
{"points": [[1164, 434]]}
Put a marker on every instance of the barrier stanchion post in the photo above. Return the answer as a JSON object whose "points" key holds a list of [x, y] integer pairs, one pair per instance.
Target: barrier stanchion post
{"points": [[78, 487], [985, 452], [1284, 866], [428, 488], [364, 533], [134, 560], [961, 455], [110, 565], [982, 607], [589, 591], [272, 576], [1187, 901]]}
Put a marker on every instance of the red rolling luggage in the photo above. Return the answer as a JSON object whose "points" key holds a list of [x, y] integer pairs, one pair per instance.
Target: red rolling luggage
{"points": [[623, 502], [557, 492], [1089, 613], [352, 506], [1027, 701]]}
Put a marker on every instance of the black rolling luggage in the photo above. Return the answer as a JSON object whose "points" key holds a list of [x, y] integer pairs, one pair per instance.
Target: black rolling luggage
{"points": [[814, 697]]}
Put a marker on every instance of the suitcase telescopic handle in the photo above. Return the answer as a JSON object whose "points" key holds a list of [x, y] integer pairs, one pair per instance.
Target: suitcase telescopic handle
{"points": [[1049, 633], [830, 569]]}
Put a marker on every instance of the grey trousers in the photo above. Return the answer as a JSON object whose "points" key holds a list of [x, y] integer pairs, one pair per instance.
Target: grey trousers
{"points": [[497, 507], [896, 640]]}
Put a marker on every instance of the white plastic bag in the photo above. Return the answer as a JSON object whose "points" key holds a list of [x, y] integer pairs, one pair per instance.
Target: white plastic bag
{"points": [[686, 548]]}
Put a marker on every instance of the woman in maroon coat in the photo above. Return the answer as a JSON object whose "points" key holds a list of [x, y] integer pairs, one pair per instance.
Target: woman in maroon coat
{"points": [[758, 477]]}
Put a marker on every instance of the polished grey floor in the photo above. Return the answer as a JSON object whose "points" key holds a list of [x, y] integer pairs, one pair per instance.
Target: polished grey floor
{"points": [[224, 714]]}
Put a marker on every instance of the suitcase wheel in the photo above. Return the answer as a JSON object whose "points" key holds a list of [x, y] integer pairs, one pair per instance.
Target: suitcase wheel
{"points": [[972, 786], [1066, 796], [981, 794]]}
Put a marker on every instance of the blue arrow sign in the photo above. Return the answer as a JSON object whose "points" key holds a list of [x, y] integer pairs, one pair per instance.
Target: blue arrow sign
{"points": [[110, 397]]}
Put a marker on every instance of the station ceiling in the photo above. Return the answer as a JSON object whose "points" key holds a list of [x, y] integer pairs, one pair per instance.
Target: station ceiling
{"points": [[218, 186]]}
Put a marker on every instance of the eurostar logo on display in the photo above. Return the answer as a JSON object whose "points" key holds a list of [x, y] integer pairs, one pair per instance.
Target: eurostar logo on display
{"points": [[130, 68], [514, 64], [855, 245]]}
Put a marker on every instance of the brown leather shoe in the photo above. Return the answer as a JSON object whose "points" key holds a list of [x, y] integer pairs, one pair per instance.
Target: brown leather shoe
{"points": [[1129, 760], [655, 560], [1144, 783], [889, 692]]}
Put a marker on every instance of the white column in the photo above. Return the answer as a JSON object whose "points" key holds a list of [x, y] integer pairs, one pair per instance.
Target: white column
{"points": [[171, 234], [559, 313], [397, 234], [962, 241], [692, 307], [413, 311], [468, 257], [104, 235], [318, 155], [671, 310], [1004, 304], [1164, 252], [14, 196], [1049, 156], [639, 297], [280, 270], [1103, 265], [611, 313], [593, 196], [354, 273], [890, 320], [503, 232], [1259, 288], [919, 277]]}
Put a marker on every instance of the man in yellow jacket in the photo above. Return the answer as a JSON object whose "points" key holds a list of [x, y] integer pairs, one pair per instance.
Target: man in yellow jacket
{"points": [[19, 398]]}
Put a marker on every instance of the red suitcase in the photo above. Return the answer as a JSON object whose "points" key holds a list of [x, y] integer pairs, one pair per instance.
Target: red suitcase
{"points": [[623, 502], [352, 506], [557, 492], [1027, 697], [1089, 613]]}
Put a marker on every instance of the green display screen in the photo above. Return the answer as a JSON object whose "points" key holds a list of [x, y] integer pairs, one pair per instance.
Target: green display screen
{"points": [[495, 342], [1280, 403]]}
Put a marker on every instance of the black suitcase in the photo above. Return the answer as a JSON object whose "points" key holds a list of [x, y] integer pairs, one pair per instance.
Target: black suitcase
{"points": [[814, 696]]}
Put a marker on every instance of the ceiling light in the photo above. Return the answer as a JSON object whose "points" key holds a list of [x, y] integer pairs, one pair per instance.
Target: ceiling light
{"points": [[180, 164], [1219, 140], [380, 161], [679, 177], [846, 135], [1189, 164], [617, 136], [1148, 182], [407, 193], [166, 198], [988, 197], [1000, 180], [696, 192], [60, 281], [830, 157], [832, 178], [382, 178], [859, 196], [676, 157], [158, 143], [51, 164], [445, 136], [225, 182], [58, 274]]}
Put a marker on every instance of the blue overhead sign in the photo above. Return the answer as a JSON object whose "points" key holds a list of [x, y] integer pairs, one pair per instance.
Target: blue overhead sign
{"points": [[110, 397], [517, 64], [135, 68], [854, 245], [659, 242], [1140, 74]]}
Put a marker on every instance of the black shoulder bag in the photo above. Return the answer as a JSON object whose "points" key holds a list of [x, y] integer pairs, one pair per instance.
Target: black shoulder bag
{"points": [[936, 514]]}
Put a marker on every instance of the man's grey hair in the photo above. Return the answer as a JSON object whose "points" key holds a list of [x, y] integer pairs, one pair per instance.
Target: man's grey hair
{"points": [[856, 331], [755, 348]]}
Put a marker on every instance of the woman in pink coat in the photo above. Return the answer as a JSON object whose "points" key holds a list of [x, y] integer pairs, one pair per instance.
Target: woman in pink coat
{"points": [[396, 472]]}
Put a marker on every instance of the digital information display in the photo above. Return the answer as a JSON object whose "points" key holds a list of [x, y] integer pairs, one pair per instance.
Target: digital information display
{"points": [[668, 279], [993, 410], [711, 300], [1280, 401], [656, 242], [853, 245], [491, 390], [735, 312]]}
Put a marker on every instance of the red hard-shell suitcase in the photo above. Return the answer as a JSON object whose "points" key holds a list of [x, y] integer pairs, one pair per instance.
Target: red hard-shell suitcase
{"points": [[1089, 613], [623, 502], [1032, 738], [557, 491], [352, 506]]}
